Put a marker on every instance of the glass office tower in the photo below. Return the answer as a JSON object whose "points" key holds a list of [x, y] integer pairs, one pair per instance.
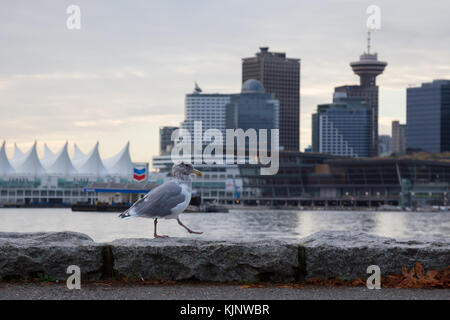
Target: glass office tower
{"points": [[207, 108], [253, 109], [428, 117], [343, 127]]}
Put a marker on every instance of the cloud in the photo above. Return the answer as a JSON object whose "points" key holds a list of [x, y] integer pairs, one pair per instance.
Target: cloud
{"points": [[126, 72], [5, 84]]}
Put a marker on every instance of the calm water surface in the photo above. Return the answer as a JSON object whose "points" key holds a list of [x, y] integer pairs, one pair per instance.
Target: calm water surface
{"points": [[283, 225]]}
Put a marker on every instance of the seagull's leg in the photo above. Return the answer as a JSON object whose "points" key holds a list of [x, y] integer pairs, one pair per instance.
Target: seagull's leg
{"points": [[155, 234], [189, 230]]}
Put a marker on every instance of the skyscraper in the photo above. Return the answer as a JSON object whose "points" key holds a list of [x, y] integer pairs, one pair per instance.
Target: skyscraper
{"points": [[384, 145], [209, 108], [398, 137], [428, 117], [165, 139], [279, 75], [253, 109], [367, 68], [343, 127]]}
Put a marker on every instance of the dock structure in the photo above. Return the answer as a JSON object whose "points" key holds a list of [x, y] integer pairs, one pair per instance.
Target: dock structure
{"points": [[321, 180], [125, 193]]}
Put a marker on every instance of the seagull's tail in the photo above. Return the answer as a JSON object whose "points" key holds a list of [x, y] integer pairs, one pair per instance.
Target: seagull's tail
{"points": [[126, 214]]}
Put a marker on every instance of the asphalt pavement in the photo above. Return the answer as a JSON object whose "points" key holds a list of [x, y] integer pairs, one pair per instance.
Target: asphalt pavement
{"points": [[38, 291]]}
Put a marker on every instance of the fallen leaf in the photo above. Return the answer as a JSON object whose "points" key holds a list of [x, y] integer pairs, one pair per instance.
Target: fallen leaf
{"points": [[419, 270]]}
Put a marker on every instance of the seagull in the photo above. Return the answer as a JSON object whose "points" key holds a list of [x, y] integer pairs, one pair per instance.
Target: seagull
{"points": [[168, 200]]}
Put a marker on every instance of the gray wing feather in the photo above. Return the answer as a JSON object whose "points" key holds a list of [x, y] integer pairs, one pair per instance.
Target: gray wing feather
{"points": [[159, 201]]}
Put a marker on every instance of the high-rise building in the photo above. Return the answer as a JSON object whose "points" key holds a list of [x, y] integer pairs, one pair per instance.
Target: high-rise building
{"points": [[279, 75], [209, 108], [165, 139], [367, 68], [343, 127], [428, 117], [253, 109], [384, 145], [398, 137]]}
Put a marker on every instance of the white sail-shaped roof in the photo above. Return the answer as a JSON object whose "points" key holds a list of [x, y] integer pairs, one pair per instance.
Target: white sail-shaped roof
{"points": [[61, 164], [121, 163], [92, 164], [78, 156], [77, 153], [5, 166], [18, 155], [29, 163], [48, 158]]}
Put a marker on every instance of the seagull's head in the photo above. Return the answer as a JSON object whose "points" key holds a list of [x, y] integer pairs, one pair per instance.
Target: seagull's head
{"points": [[184, 169]]}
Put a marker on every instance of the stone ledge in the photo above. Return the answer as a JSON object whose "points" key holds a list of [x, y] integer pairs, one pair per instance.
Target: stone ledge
{"points": [[185, 259], [340, 255], [346, 255], [33, 255]]}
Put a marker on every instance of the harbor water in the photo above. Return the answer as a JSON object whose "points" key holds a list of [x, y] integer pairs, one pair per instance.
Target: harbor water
{"points": [[234, 225]]}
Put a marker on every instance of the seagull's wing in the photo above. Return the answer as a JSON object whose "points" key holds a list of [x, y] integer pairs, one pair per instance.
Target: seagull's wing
{"points": [[158, 202]]}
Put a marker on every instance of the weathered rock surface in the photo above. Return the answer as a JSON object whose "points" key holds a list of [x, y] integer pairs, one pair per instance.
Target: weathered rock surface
{"points": [[32, 255], [346, 255], [183, 259], [340, 255]]}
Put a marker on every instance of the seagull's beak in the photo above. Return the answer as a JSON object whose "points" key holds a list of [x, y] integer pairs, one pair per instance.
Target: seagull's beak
{"points": [[199, 173]]}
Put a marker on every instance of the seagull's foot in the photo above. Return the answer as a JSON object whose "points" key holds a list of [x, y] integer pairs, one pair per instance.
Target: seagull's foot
{"points": [[194, 232], [160, 236], [188, 230]]}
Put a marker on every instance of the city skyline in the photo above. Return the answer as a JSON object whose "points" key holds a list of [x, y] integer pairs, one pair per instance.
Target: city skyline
{"points": [[122, 79]]}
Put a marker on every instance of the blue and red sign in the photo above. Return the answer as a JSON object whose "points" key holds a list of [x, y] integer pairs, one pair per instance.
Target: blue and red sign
{"points": [[139, 174]]}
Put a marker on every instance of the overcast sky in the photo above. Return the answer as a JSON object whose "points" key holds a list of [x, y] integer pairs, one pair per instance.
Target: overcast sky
{"points": [[125, 73]]}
